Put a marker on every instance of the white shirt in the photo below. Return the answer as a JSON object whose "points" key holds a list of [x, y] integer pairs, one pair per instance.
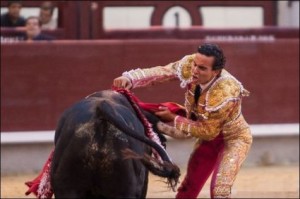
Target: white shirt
{"points": [[51, 25], [204, 86]]}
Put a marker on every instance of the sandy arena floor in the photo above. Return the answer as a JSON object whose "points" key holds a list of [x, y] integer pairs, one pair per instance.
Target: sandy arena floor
{"points": [[252, 182]]}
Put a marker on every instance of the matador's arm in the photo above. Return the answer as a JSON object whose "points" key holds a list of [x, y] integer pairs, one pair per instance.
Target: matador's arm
{"points": [[158, 74], [209, 127]]}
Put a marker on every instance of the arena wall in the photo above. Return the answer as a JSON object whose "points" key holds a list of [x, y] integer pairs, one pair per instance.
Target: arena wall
{"points": [[40, 80]]}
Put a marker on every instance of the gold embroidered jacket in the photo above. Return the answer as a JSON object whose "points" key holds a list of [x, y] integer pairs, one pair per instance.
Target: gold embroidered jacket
{"points": [[218, 108]]}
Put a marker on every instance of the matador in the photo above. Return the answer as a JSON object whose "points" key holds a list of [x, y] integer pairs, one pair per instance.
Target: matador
{"points": [[213, 116]]}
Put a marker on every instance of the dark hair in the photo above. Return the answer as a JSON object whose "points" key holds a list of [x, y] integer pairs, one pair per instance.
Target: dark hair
{"points": [[214, 51], [9, 3], [47, 5]]}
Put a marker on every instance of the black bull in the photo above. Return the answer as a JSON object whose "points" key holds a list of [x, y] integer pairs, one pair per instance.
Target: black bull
{"points": [[90, 141]]}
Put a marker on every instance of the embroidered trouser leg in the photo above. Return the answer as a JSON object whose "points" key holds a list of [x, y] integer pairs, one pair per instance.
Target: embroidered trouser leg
{"points": [[200, 166], [227, 167]]}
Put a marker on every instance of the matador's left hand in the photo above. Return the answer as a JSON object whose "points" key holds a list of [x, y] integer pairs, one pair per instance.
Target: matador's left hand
{"points": [[165, 114]]}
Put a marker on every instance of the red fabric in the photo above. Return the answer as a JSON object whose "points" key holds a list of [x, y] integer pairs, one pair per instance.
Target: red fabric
{"points": [[39, 189], [173, 107], [153, 107], [215, 172], [201, 164]]}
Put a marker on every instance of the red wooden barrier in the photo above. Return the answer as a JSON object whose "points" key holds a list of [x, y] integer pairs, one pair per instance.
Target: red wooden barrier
{"points": [[40, 80]]}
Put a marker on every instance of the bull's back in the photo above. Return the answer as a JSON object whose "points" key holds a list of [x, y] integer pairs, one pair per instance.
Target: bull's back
{"points": [[88, 152]]}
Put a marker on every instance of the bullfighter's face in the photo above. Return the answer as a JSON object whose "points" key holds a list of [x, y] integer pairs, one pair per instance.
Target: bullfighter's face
{"points": [[203, 69]]}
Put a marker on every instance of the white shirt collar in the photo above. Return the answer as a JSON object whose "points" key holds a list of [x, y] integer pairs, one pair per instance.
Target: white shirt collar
{"points": [[204, 86]]}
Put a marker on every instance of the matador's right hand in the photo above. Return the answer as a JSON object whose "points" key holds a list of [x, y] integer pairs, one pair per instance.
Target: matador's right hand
{"points": [[122, 82]]}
